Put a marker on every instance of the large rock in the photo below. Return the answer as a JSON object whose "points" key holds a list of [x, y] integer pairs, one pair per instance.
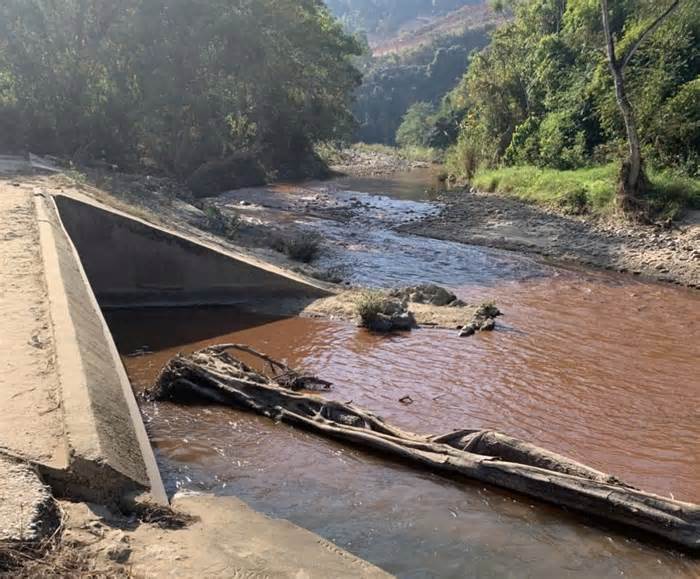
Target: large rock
{"points": [[27, 509], [221, 175], [431, 294]]}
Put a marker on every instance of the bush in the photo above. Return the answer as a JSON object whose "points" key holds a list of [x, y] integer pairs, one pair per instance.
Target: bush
{"points": [[304, 247], [368, 305], [574, 201], [224, 224]]}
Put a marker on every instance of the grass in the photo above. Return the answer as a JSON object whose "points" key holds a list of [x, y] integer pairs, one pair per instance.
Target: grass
{"points": [[223, 224], [589, 189]]}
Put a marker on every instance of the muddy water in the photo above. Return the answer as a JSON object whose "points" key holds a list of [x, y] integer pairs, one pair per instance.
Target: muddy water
{"points": [[600, 367]]}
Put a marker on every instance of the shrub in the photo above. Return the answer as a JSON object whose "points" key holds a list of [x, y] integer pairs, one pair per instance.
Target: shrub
{"points": [[224, 224], [368, 305], [304, 247], [574, 201]]}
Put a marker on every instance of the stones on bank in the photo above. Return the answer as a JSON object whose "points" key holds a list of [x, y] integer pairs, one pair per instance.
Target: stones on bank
{"points": [[402, 309]]}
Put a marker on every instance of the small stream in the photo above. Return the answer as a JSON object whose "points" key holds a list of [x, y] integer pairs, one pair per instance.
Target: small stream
{"points": [[600, 367]]}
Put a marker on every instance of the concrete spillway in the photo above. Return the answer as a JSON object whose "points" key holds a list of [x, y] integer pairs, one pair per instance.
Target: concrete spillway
{"points": [[133, 263], [92, 256]]}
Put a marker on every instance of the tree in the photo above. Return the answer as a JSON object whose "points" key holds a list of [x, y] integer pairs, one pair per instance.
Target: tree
{"points": [[632, 177], [175, 84]]}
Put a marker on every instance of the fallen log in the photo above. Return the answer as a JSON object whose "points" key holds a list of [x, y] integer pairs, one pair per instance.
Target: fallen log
{"points": [[491, 457]]}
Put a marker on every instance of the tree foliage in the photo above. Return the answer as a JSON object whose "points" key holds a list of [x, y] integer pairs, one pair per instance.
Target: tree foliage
{"points": [[392, 84], [541, 93], [174, 82]]}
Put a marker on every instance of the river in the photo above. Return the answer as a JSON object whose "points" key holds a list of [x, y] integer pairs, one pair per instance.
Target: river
{"points": [[600, 367]]}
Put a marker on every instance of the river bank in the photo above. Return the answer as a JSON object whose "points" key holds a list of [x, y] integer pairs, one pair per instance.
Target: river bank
{"points": [[668, 253], [480, 218]]}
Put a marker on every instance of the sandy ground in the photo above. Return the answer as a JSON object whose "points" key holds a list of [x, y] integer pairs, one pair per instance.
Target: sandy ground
{"points": [[224, 538], [31, 424], [669, 255]]}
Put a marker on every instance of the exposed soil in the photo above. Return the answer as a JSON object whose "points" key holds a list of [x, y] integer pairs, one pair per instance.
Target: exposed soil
{"points": [[205, 536], [493, 220]]}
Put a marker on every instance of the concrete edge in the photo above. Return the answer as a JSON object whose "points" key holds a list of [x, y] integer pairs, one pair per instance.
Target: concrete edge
{"points": [[89, 474], [241, 256]]}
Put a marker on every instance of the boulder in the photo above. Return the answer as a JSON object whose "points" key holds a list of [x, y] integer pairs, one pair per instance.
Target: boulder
{"points": [[431, 294]]}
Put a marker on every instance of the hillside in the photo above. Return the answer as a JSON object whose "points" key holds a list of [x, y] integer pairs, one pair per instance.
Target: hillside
{"points": [[427, 30], [381, 19], [422, 62]]}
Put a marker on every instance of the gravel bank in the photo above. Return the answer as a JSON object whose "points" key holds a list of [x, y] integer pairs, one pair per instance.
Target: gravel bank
{"points": [[474, 217]]}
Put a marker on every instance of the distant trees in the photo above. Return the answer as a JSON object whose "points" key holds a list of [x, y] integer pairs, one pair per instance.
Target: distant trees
{"points": [[415, 128], [393, 83], [174, 82], [542, 92]]}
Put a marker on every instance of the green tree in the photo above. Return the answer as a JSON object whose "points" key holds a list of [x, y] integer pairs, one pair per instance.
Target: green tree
{"points": [[632, 179], [417, 125], [175, 83]]}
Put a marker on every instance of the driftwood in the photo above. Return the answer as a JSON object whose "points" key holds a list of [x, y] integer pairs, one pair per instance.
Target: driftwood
{"points": [[485, 455]]}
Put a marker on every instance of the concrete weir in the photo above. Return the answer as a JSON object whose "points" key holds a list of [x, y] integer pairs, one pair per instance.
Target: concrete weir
{"points": [[70, 426], [93, 257], [109, 454], [130, 262]]}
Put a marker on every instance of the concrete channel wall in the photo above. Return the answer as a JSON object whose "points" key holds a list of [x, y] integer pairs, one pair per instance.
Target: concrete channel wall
{"points": [[96, 257], [108, 448], [133, 263]]}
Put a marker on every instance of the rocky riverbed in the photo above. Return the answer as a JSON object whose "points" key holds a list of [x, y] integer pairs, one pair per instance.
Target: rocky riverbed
{"points": [[665, 254], [362, 162]]}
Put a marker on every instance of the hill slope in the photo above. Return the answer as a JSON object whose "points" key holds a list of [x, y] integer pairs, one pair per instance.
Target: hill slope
{"points": [[381, 19]]}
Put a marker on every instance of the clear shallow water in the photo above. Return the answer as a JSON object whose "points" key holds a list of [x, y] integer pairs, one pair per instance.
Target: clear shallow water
{"points": [[600, 367]]}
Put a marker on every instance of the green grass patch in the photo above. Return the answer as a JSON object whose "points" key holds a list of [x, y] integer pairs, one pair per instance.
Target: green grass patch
{"points": [[590, 189]]}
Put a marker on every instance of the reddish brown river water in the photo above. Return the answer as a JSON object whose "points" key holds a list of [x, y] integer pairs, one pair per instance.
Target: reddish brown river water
{"points": [[600, 367]]}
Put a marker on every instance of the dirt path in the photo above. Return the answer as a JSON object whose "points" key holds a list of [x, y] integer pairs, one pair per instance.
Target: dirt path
{"points": [[670, 255], [31, 424]]}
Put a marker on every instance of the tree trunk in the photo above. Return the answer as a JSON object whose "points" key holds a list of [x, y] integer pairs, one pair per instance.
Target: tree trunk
{"points": [[213, 374], [632, 180]]}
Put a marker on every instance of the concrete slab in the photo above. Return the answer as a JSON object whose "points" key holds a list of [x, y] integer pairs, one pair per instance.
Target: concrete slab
{"points": [[31, 424], [232, 540], [130, 262]]}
